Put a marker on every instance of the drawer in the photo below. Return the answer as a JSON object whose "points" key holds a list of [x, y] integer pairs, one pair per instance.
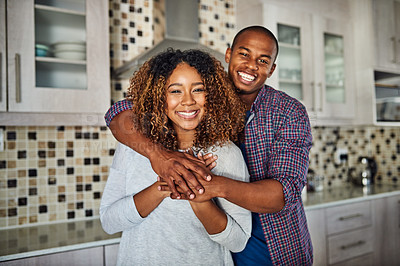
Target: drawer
{"points": [[347, 217], [349, 245], [365, 260]]}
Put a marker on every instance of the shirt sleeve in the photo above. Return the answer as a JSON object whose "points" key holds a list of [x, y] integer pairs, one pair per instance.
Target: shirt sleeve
{"points": [[289, 156], [117, 210], [238, 229], [117, 108]]}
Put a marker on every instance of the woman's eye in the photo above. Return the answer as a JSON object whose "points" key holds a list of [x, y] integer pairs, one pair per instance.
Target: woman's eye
{"points": [[174, 91], [199, 90]]}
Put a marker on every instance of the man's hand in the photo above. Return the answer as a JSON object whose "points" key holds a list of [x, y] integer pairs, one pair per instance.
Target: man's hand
{"points": [[182, 170], [212, 189]]}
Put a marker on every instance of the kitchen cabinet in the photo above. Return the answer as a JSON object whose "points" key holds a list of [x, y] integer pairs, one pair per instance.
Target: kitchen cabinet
{"points": [[317, 228], [111, 254], [364, 232], [87, 256], [39, 87], [387, 35], [387, 233], [314, 62]]}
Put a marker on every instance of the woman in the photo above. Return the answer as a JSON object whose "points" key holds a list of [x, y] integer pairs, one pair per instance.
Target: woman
{"points": [[185, 101]]}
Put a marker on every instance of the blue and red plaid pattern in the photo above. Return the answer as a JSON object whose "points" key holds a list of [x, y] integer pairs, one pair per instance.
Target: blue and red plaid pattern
{"points": [[278, 140], [115, 109]]}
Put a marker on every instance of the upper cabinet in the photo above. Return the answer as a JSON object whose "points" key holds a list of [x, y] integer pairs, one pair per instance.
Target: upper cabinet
{"points": [[314, 62], [57, 58], [387, 35]]}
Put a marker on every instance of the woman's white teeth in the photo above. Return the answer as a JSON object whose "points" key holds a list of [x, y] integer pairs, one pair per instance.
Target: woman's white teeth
{"points": [[246, 77], [187, 113]]}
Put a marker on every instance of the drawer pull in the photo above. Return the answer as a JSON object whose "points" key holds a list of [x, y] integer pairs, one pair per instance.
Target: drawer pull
{"points": [[17, 78], [352, 216], [352, 245]]}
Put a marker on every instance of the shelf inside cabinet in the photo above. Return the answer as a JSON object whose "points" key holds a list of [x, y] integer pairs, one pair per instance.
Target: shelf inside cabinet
{"points": [[63, 5], [52, 27], [53, 74]]}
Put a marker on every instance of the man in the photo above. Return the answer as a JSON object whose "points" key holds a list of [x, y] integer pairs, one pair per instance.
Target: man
{"points": [[276, 148]]}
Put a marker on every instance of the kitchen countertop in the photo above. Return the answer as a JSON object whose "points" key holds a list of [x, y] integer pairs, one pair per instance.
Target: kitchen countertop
{"points": [[346, 194], [37, 240]]}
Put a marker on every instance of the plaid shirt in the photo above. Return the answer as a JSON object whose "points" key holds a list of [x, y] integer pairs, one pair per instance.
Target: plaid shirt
{"points": [[277, 141]]}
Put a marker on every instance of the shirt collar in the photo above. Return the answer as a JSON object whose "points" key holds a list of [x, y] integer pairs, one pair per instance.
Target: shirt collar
{"points": [[257, 102]]}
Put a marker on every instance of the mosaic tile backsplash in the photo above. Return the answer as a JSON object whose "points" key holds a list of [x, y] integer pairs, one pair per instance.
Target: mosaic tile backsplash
{"points": [[54, 174]]}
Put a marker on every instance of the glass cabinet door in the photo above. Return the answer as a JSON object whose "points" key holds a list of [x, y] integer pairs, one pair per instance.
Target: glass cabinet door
{"points": [[289, 61], [334, 69]]}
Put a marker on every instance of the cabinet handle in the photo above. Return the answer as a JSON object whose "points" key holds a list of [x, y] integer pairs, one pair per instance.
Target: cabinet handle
{"points": [[352, 245], [18, 78], [1, 77], [352, 216], [394, 60], [320, 96], [313, 96]]}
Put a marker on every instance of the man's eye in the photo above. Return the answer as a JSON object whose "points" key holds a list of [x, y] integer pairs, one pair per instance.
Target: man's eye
{"points": [[244, 54], [262, 61]]}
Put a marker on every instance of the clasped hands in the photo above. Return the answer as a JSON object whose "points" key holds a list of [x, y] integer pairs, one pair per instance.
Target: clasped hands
{"points": [[186, 176]]}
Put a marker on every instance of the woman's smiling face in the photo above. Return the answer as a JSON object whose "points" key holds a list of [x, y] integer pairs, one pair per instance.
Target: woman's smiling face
{"points": [[185, 99]]}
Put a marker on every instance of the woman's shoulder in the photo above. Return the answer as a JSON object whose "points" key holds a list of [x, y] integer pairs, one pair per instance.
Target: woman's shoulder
{"points": [[230, 162]]}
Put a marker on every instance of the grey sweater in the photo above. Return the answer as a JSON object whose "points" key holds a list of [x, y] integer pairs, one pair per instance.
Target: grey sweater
{"points": [[171, 234]]}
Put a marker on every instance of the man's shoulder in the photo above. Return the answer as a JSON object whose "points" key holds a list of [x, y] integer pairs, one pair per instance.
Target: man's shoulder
{"points": [[281, 101]]}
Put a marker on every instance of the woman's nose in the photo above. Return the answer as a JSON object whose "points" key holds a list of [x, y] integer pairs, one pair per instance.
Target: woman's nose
{"points": [[187, 99]]}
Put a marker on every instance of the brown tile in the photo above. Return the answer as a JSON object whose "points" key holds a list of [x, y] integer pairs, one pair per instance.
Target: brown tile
{"points": [[21, 173], [52, 171], [33, 219], [11, 145]]}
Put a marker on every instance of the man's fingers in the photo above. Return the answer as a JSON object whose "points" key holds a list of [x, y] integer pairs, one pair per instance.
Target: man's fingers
{"points": [[192, 180]]}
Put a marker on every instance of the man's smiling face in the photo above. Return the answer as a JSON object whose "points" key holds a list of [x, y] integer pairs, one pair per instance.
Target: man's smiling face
{"points": [[251, 61]]}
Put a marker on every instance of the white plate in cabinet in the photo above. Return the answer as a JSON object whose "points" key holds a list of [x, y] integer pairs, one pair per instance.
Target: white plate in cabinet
{"points": [[350, 245], [347, 217]]}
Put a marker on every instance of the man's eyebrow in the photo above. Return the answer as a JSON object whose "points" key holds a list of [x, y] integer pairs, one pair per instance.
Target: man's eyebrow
{"points": [[248, 50]]}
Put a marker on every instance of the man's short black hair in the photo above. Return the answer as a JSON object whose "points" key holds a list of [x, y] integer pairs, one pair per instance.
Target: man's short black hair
{"points": [[257, 28]]}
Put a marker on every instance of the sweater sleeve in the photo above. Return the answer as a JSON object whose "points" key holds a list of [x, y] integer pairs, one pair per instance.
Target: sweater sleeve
{"points": [[115, 109], [238, 230], [117, 210]]}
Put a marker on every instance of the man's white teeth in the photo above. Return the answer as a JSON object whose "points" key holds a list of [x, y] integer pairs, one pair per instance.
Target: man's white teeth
{"points": [[246, 77], [187, 113]]}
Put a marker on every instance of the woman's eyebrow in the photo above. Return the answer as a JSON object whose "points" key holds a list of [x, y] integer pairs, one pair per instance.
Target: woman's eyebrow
{"points": [[174, 84]]}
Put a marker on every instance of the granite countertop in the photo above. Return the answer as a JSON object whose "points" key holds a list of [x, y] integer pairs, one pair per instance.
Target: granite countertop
{"points": [[347, 193], [37, 240]]}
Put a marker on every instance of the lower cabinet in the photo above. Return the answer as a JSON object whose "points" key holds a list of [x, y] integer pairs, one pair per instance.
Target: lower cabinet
{"points": [[362, 233], [387, 232], [87, 256], [111, 254], [101, 255]]}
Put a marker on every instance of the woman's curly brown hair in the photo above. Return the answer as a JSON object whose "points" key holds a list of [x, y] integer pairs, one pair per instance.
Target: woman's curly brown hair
{"points": [[224, 116]]}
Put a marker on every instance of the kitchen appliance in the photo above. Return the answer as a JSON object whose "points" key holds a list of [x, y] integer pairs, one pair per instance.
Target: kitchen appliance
{"points": [[181, 32], [364, 173]]}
